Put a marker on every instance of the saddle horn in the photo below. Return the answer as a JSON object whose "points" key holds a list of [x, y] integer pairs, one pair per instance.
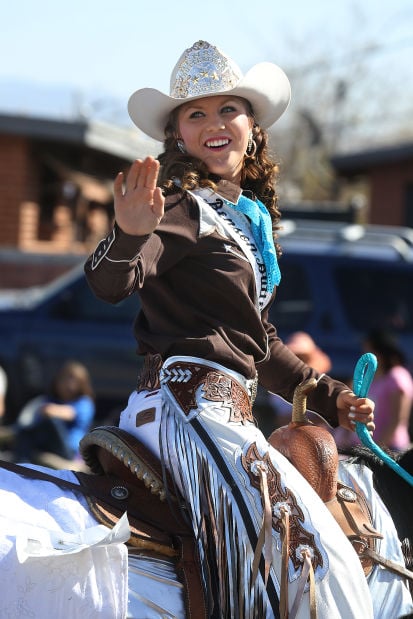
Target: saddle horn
{"points": [[309, 447]]}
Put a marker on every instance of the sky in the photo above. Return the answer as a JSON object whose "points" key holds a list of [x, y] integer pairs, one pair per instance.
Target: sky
{"points": [[97, 52]]}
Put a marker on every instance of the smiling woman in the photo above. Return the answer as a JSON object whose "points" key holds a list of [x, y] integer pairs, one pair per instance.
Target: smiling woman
{"points": [[194, 238]]}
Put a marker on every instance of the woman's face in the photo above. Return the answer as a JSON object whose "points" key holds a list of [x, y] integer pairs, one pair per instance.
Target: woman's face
{"points": [[216, 130]]}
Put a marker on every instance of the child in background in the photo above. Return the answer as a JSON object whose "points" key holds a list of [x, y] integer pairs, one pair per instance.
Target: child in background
{"points": [[61, 418]]}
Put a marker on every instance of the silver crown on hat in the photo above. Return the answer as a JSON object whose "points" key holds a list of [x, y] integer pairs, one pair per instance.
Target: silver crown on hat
{"points": [[203, 70]]}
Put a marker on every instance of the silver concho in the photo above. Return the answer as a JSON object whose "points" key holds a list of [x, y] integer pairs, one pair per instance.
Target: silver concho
{"points": [[347, 494]]}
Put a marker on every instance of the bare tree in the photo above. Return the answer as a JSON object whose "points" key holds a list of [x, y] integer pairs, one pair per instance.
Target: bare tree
{"points": [[351, 93]]}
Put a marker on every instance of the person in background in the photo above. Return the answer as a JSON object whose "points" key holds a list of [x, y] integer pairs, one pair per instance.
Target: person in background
{"points": [[60, 418], [391, 390], [6, 431], [302, 345], [194, 238], [3, 392]]}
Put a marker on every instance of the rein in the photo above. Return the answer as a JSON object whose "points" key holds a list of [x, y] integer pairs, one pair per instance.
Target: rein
{"points": [[31, 473], [363, 376]]}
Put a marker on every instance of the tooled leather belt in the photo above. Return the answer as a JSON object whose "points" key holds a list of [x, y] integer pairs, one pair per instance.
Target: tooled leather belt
{"points": [[184, 379]]}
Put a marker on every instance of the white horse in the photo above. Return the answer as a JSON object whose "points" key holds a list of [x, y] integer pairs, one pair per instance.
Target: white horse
{"points": [[58, 559], [66, 552]]}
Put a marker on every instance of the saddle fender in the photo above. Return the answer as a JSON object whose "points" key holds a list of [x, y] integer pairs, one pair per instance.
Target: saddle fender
{"points": [[313, 452]]}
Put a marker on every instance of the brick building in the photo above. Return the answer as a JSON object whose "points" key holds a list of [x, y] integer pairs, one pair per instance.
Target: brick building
{"points": [[388, 174], [56, 191]]}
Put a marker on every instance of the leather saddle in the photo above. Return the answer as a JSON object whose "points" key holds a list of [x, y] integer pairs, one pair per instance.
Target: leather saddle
{"points": [[130, 478], [313, 452]]}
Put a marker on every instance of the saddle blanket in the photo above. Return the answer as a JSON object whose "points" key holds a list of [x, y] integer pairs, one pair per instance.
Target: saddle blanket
{"points": [[55, 559]]}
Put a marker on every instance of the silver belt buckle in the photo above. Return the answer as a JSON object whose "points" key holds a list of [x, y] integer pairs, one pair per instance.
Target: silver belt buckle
{"points": [[251, 386]]}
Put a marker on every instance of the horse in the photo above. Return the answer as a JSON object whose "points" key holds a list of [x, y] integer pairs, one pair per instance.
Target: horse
{"points": [[117, 543], [394, 491]]}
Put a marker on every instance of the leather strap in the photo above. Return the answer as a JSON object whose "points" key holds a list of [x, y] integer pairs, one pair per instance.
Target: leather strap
{"points": [[30, 473], [351, 511], [390, 565]]}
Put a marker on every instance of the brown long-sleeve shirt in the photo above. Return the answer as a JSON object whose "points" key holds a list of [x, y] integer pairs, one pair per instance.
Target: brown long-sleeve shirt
{"points": [[198, 297]]}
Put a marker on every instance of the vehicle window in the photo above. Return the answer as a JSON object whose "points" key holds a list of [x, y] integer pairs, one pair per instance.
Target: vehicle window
{"points": [[293, 304], [376, 297], [79, 303]]}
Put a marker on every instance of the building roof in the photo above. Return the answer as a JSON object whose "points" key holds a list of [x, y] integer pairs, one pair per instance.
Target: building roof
{"points": [[362, 160], [118, 141]]}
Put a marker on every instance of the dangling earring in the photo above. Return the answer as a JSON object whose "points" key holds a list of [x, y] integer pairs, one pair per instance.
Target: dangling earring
{"points": [[251, 146], [180, 145]]}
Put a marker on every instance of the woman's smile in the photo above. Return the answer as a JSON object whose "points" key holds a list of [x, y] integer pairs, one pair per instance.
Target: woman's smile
{"points": [[217, 143]]}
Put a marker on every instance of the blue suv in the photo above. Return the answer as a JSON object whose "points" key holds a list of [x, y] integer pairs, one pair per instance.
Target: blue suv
{"points": [[338, 281], [42, 327]]}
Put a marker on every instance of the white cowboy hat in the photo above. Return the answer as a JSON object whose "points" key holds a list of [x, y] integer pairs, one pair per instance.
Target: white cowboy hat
{"points": [[204, 71]]}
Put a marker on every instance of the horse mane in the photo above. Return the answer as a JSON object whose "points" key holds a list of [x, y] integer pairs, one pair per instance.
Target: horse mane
{"points": [[363, 455]]}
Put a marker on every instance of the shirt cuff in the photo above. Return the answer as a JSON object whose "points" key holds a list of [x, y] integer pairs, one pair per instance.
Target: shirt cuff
{"points": [[118, 246]]}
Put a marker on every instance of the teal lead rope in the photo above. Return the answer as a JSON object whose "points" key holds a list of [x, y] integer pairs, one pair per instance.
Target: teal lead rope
{"points": [[363, 376]]}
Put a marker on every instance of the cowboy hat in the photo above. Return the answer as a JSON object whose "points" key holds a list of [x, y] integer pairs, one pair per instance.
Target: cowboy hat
{"points": [[204, 71], [303, 345]]}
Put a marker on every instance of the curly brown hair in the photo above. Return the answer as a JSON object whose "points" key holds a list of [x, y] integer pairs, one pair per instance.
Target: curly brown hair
{"points": [[259, 173]]}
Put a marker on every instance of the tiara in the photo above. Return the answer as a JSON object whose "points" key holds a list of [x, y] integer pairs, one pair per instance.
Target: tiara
{"points": [[203, 70]]}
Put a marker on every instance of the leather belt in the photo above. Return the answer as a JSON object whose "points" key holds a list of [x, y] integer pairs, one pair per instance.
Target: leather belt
{"points": [[148, 377], [185, 377]]}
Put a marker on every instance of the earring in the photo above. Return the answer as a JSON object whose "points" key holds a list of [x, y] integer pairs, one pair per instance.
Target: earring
{"points": [[251, 146], [181, 146]]}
